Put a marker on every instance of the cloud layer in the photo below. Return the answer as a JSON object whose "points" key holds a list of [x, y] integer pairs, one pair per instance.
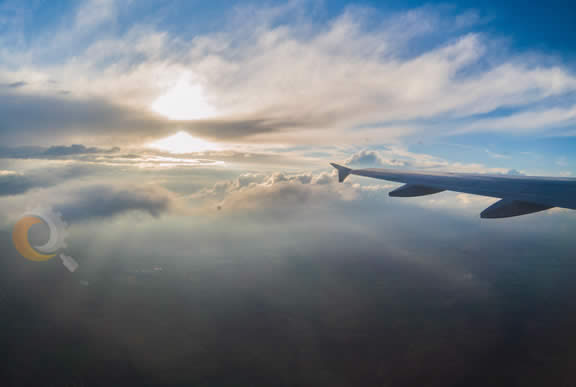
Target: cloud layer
{"points": [[267, 79]]}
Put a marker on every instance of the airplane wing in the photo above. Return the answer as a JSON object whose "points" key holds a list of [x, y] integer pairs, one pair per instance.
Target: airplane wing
{"points": [[520, 195]]}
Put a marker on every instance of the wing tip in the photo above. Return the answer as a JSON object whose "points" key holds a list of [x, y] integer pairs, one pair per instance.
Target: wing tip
{"points": [[343, 171]]}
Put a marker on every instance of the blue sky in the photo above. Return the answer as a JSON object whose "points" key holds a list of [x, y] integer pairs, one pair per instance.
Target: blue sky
{"points": [[546, 29], [529, 27]]}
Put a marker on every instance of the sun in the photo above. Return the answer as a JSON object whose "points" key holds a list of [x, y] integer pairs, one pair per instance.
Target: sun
{"points": [[182, 142], [184, 101]]}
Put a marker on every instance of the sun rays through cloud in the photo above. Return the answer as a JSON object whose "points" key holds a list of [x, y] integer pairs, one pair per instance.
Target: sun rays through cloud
{"points": [[182, 142]]}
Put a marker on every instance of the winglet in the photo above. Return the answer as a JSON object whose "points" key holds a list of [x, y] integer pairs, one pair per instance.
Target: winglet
{"points": [[343, 172]]}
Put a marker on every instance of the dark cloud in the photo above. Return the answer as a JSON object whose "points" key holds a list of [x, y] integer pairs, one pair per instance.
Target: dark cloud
{"points": [[76, 149], [33, 117], [53, 151], [102, 201], [44, 113], [15, 85], [44, 118], [15, 183], [242, 127]]}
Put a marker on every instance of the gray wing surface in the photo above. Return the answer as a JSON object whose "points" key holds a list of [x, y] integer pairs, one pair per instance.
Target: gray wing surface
{"points": [[520, 195]]}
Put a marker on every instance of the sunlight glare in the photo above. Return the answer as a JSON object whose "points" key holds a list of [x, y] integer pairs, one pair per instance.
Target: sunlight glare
{"points": [[182, 142], [184, 101]]}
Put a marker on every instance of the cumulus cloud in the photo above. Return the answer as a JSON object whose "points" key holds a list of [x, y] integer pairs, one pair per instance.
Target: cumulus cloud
{"points": [[372, 158], [277, 190], [283, 191]]}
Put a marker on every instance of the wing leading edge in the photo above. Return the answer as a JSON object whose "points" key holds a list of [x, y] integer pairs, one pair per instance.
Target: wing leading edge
{"points": [[520, 195]]}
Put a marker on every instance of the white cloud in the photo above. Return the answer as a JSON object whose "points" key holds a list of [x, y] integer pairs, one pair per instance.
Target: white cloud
{"points": [[95, 12], [305, 190], [530, 121], [398, 156], [301, 78], [457, 202], [277, 190]]}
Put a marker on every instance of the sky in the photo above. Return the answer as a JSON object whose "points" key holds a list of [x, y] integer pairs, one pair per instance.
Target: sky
{"points": [[187, 146]]}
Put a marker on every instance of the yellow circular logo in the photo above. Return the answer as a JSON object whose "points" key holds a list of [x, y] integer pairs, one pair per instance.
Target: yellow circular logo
{"points": [[21, 242], [20, 235]]}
